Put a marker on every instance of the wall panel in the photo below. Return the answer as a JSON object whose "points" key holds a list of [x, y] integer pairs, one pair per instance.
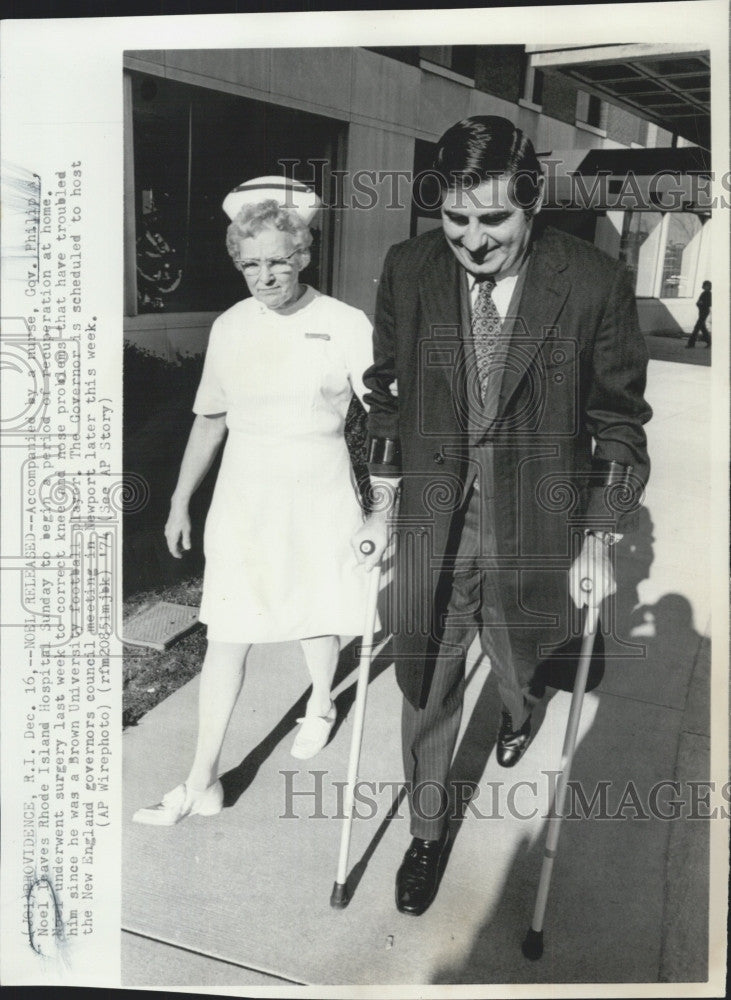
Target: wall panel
{"points": [[384, 90], [366, 234], [441, 103], [244, 67], [314, 77]]}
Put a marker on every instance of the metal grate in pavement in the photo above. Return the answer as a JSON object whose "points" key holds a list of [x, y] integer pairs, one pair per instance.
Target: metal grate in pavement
{"points": [[160, 625]]}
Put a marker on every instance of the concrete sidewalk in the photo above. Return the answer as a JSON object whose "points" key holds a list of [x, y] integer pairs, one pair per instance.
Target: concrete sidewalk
{"points": [[242, 899], [672, 347]]}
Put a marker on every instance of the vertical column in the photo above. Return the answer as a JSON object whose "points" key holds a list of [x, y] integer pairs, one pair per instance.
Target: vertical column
{"points": [[376, 210]]}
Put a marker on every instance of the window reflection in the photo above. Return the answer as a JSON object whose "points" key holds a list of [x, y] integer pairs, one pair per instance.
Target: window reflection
{"points": [[670, 243], [681, 255], [639, 248]]}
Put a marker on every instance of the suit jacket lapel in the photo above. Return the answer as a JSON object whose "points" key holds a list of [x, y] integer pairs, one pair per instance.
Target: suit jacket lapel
{"points": [[545, 290], [439, 293], [544, 293]]}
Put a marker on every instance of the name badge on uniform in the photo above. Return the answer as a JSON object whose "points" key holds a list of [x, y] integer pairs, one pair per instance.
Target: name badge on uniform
{"points": [[318, 336]]}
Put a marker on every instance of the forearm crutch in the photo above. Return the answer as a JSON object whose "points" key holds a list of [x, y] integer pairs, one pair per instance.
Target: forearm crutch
{"points": [[533, 943], [339, 897]]}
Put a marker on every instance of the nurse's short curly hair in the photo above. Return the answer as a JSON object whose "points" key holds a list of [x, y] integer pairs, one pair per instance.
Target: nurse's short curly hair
{"points": [[253, 218]]}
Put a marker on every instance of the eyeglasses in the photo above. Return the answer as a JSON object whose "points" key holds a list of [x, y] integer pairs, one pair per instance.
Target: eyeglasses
{"points": [[277, 265]]}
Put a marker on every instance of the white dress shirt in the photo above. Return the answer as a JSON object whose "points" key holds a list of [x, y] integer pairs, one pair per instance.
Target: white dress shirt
{"points": [[502, 293]]}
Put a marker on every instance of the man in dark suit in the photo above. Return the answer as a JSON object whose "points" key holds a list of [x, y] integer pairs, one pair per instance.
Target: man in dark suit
{"points": [[506, 401]]}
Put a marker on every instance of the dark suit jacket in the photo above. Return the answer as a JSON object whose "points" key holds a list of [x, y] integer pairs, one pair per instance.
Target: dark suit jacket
{"points": [[573, 380]]}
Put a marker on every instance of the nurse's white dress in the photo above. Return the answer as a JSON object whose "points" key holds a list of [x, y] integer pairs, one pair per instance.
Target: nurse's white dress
{"points": [[279, 564]]}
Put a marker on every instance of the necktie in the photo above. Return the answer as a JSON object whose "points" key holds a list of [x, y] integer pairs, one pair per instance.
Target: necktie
{"points": [[486, 328]]}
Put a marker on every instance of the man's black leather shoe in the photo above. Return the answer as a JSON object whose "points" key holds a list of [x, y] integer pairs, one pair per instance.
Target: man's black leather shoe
{"points": [[417, 879], [511, 745]]}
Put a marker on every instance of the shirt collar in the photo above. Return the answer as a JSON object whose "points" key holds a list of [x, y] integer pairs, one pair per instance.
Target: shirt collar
{"points": [[472, 280]]}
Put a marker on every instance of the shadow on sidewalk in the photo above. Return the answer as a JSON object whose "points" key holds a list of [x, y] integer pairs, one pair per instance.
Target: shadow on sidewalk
{"points": [[605, 910], [673, 348], [238, 779]]}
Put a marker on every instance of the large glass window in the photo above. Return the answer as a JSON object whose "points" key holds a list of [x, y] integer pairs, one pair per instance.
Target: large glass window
{"points": [[590, 110], [191, 146], [680, 259], [662, 252], [639, 248], [457, 58]]}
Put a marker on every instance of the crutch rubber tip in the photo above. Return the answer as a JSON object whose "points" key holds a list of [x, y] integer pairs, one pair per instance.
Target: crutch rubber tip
{"points": [[533, 944], [339, 898]]}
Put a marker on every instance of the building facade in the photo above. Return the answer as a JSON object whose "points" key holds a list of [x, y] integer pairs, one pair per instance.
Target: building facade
{"points": [[360, 125]]}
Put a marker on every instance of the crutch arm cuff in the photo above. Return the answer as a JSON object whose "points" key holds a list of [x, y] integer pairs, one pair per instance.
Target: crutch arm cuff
{"points": [[384, 456], [611, 473], [615, 497]]}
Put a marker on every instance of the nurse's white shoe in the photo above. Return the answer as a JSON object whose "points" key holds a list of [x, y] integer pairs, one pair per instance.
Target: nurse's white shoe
{"points": [[314, 733], [179, 803]]}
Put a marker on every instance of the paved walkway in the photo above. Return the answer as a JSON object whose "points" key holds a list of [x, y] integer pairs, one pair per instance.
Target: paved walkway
{"points": [[673, 348], [242, 900]]}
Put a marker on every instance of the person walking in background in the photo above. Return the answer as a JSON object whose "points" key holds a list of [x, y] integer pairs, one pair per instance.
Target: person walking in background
{"points": [[280, 372], [704, 308]]}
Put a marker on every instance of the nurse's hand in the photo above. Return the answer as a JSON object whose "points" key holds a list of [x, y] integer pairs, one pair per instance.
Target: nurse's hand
{"points": [[374, 530], [177, 530]]}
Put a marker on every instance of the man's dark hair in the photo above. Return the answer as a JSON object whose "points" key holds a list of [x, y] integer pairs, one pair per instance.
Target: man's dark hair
{"points": [[485, 147]]}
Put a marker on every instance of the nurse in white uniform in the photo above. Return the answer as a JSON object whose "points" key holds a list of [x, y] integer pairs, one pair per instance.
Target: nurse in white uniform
{"points": [[279, 374]]}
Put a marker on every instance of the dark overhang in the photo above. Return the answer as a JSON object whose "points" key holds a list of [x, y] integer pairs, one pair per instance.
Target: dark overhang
{"points": [[668, 85], [671, 178]]}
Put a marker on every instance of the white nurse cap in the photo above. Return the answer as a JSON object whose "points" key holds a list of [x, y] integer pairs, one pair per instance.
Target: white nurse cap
{"points": [[288, 192]]}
